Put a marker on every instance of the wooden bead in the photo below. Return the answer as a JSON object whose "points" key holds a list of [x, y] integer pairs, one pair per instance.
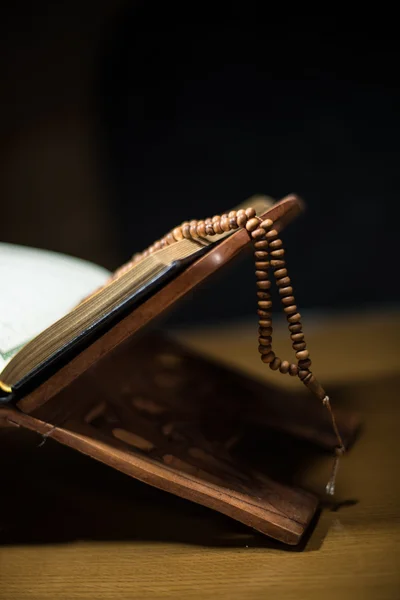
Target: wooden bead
{"points": [[258, 233], [250, 212], [278, 253], [299, 346], [263, 313], [265, 324], [309, 377], [193, 231], [241, 213], [232, 214], [268, 358], [266, 345], [201, 229], [267, 224], [217, 227], [275, 364], [264, 349], [297, 337], [252, 224], [241, 219], [215, 219], [262, 264], [186, 230], [289, 310], [286, 291], [302, 355], [263, 295], [283, 282], [284, 368], [264, 284], [261, 245], [264, 341], [294, 318], [233, 223], [271, 235], [275, 263], [303, 373], [266, 317], [274, 245], [177, 233], [209, 229], [261, 254], [279, 273], [265, 331], [224, 223], [287, 300], [261, 275], [305, 364], [266, 292], [264, 304], [295, 327], [293, 370], [208, 221]]}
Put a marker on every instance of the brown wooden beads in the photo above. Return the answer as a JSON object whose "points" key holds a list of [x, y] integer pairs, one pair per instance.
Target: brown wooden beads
{"points": [[269, 254]]}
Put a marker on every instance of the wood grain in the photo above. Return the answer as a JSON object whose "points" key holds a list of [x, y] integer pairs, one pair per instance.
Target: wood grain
{"points": [[85, 531], [280, 512], [176, 421]]}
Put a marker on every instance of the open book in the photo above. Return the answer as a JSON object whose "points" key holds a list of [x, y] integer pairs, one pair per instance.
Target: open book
{"points": [[55, 306]]}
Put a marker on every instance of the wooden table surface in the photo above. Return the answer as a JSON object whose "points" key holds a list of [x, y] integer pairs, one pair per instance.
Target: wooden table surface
{"points": [[74, 529]]}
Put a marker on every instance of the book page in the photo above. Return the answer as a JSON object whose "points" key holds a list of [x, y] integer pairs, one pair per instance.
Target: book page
{"points": [[39, 287]]}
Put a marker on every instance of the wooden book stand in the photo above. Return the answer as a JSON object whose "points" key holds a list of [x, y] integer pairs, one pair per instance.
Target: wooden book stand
{"points": [[146, 406]]}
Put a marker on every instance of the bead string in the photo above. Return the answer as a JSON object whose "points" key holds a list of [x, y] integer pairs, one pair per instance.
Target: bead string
{"points": [[269, 254]]}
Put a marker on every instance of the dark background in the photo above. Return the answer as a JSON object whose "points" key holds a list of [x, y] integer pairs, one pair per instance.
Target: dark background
{"points": [[121, 120]]}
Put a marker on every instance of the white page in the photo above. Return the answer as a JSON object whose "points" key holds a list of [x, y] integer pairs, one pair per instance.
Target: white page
{"points": [[39, 287]]}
